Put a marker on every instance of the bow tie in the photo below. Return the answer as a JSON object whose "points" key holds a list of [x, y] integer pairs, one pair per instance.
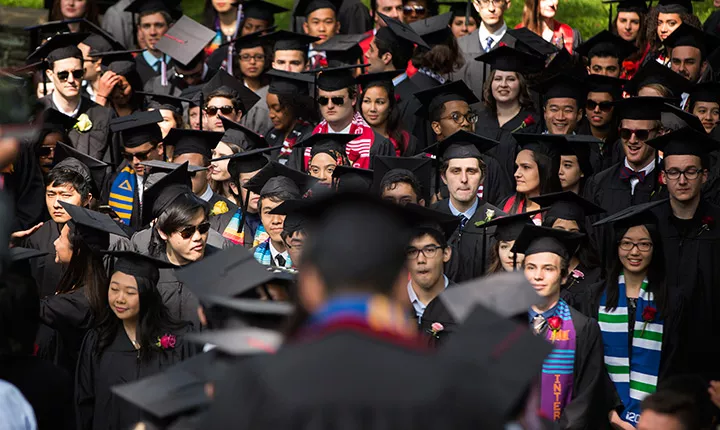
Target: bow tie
{"points": [[627, 173]]}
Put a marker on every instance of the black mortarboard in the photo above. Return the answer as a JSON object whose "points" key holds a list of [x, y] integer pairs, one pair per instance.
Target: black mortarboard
{"points": [[240, 341], [605, 84], [263, 10], [462, 144], [638, 6], [685, 141], [534, 239], [655, 73], [294, 221], [289, 83], [94, 227], [275, 178], [434, 30], [58, 47], [139, 265], [120, 62], [164, 101], [434, 98], [605, 43], [687, 35], [420, 168], [246, 161], [562, 86], [632, 216], [306, 7], [278, 309], [551, 145], [142, 6], [92, 169], [166, 167], [568, 205], [510, 59], [366, 79], [580, 145], [250, 40], [642, 108], [100, 40], [289, 41], [344, 49], [185, 40], [52, 27], [18, 253], [336, 78], [352, 179], [54, 120], [399, 33], [138, 128], [194, 94], [168, 188], [675, 6], [705, 92], [531, 43], [432, 219], [188, 141], [222, 81], [508, 227], [461, 9], [686, 118], [323, 142], [239, 135]]}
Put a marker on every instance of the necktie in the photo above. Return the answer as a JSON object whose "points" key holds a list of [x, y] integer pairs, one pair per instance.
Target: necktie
{"points": [[539, 324], [463, 221], [627, 173], [319, 61], [489, 44], [280, 260]]}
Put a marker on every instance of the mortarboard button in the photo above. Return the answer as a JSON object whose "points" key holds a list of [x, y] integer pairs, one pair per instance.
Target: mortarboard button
{"points": [[434, 98], [534, 239], [419, 168], [568, 205], [138, 128], [185, 40]]}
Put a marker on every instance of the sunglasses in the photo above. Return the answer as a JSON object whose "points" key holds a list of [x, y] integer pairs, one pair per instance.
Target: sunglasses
{"points": [[225, 110], [45, 151], [338, 101], [604, 106], [417, 9], [626, 133], [142, 156], [195, 75], [64, 75], [189, 231]]}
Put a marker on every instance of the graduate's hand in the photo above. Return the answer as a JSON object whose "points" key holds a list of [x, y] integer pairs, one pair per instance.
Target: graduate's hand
{"points": [[16, 236], [714, 391], [617, 423], [105, 86]]}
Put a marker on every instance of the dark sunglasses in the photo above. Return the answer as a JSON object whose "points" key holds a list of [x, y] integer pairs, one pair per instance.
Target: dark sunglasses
{"points": [[626, 133], [190, 230], [225, 110], [64, 75], [604, 106], [195, 75], [338, 101], [142, 156], [408, 10], [45, 151]]}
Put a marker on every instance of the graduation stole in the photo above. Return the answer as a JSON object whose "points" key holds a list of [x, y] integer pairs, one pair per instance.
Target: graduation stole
{"points": [[263, 255], [236, 235], [634, 378], [289, 143], [357, 150], [121, 194], [556, 383]]}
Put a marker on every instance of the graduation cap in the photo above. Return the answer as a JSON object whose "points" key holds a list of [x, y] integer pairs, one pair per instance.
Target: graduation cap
{"points": [[632, 216], [527, 41], [184, 40], [365, 80], [352, 179], [551, 145], [432, 219], [685, 141], [419, 168], [562, 86], [142, 6], [336, 78], [461, 9], [344, 49], [259, 9], [289, 83], [462, 144], [18, 254], [56, 121], [120, 62], [434, 98], [164, 101], [52, 27], [239, 135], [275, 178], [605, 84], [165, 166], [265, 314], [99, 40], [434, 30], [568, 205], [508, 227], [325, 143], [655, 73], [250, 40], [306, 7], [293, 220], [90, 168], [638, 6], [138, 128], [641, 108], [534, 240], [58, 47], [675, 6], [94, 227], [687, 35], [165, 191], [578, 145], [399, 33], [686, 118], [222, 81], [240, 341], [193, 94], [246, 161], [187, 141], [606, 44], [139, 265], [510, 59], [252, 306], [705, 92], [289, 41]]}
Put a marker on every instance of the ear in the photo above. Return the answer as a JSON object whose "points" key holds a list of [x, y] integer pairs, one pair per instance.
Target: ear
{"points": [[421, 202], [49, 73], [447, 254], [704, 66], [234, 188], [162, 234], [437, 129], [704, 177], [88, 200], [337, 31], [588, 69], [201, 316], [306, 29], [160, 149], [386, 58], [444, 179], [580, 114]]}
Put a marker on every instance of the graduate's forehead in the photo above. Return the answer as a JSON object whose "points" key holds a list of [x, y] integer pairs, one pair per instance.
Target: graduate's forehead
{"points": [[321, 14], [542, 259], [68, 64]]}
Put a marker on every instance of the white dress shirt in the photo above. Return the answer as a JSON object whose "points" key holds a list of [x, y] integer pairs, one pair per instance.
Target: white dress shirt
{"points": [[647, 169]]}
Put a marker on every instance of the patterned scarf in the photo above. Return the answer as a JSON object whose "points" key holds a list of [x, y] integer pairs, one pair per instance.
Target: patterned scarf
{"points": [[556, 383], [427, 72], [289, 143], [121, 194], [635, 375], [263, 255], [357, 150], [234, 234]]}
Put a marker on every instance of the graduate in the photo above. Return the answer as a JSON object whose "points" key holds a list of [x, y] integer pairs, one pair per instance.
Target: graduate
{"points": [[154, 18], [171, 109], [55, 128], [321, 21], [573, 375], [226, 96], [290, 50], [703, 103], [327, 152], [403, 180], [563, 102], [605, 53], [135, 336]]}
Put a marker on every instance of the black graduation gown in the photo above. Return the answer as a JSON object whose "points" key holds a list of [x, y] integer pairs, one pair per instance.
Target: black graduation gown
{"points": [[506, 151], [301, 131], [407, 106], [601, 157], [466, 261], [48, 389], [436, 311], [577, 290], [422, 129], [26, 188], [96, 406], [216, 198], [70, 316], [45, 270], [144, 69]]}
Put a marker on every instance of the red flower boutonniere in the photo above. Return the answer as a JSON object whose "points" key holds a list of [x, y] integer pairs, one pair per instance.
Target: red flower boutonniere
{"points": [[554, 323], [648, 315], [501, 44], [397, 97], [708, 223], [435, 329], [527, 122], [167, 341]]}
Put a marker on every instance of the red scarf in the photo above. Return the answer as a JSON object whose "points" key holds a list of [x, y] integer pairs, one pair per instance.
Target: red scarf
{"points": [[291, 140], [357, 150]]}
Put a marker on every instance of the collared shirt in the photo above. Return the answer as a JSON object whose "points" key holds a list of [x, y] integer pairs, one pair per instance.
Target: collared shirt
{"points": [[15, 410], [483, 34], [89, 90], [207, 195], [73, 114], [274, 253], [647, 169], [417, 304], [345, 130], [141, 187], [313, 52], [468, 213], [399, 78], [154, 61], [547, 314]]}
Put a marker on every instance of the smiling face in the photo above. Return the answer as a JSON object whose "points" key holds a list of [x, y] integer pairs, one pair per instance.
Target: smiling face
{"points": [[185, 251], [123, 296], [322, 23], [463, 178], [527, 174], [63, 247], [562, 115], [505, 86], [543, 271], [667, 23], [637, 152], [569, 173], [599, 116], [375, 106], [426, 272], [628, 25], [506, 256], [634, 260], [683, 189], [708, 113], [70, 87], [218, 169]]}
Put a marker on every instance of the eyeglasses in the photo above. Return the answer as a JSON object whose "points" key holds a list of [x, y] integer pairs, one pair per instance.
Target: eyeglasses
{"points": [[225, 110], [626, 133], [604, 106], [45, 151], [142, 156], [496, 3], [429, 251], [417, 9], [195, 75], [690, 174], [470, 117], [189, 231], [64, 75], [337, 101], [627, 245], [248, 57]]}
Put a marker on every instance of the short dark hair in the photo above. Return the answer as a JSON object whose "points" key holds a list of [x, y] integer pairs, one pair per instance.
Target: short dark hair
{"points": [[165, 15], [432, 230], [400, 56], [277, 197], [678, 405], [237, 103], [399, 176], [62, 176]]}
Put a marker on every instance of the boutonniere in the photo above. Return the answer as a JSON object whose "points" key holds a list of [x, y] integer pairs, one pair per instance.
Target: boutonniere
{"points": [[554, 323], [219, 208], [648, 315], [166, 341], [577, 274], [489, 215], [708, 223], [435, 329], [630, 67], [83, 123], [527, 122]]}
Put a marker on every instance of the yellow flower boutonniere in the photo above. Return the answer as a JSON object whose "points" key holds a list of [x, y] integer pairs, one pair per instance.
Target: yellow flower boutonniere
{"points": [[220, 208], [83, 123]]}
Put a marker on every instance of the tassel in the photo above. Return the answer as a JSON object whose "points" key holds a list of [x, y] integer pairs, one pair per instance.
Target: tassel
{"points": [[163, 72], [231, 46]]}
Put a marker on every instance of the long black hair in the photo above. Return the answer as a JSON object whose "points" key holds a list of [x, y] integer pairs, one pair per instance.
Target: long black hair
{"points": [[548, 168], [394, 126], [177, 215]]}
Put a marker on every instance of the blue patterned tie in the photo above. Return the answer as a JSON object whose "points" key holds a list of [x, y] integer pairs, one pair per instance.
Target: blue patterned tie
{"points": [[463, 221], [489, 44]]}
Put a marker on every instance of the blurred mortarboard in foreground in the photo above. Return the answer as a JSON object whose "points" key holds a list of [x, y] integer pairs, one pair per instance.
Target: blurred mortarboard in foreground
{"points": [[64, 156], [306, 7], [185, 40], [510, 59], [239, 135], [605, 43], [352, 179], [655, 73], [168, 188], [240, 341], [275, 177], [685, 141], [139, 265], [508, 227], [52, 27], [187, 141], [288, 41], [263, 10], [462, 144], [568, 205], [18, 253], [166, 166], [419, 168], [434, 30], [399, 33], [58, 47], [222, 81], [632, 216], [265, 314], [164, 101], [534, 239], [138, 128], [434, 98]]}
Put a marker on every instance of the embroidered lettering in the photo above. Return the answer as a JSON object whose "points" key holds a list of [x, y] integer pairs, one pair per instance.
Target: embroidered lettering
{"points": [[557, 391]]}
